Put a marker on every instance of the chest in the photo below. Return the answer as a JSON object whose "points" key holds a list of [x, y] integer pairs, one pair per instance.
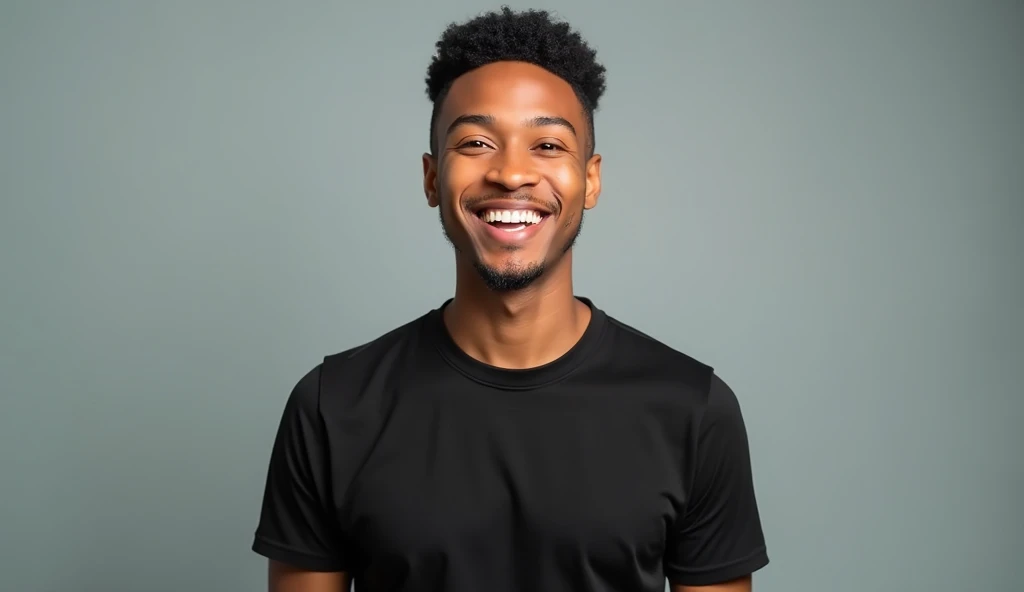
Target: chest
{"points": [[496, 479]]}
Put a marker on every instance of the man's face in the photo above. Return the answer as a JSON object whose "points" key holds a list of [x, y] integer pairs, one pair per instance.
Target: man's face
{"points": [[511, 176]]}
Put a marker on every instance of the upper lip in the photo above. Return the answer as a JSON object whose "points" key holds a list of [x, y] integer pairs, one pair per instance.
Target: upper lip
{"points": [[512, 205]]}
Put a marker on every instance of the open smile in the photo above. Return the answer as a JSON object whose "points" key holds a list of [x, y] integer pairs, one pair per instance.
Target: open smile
{"points": [[511, 225]]}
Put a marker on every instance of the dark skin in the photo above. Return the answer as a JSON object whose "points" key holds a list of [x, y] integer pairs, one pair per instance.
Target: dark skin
{"points": [[507, 129], [283, 578], [523, 145]]}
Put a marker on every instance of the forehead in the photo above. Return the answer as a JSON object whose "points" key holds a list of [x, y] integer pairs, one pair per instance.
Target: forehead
{"points": [[511, 91]]}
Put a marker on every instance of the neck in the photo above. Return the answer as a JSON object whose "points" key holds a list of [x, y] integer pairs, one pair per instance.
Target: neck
{"points": [[517, 330]]}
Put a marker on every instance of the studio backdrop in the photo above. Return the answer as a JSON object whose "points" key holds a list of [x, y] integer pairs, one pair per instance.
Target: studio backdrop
{"points": [[822, 200]]}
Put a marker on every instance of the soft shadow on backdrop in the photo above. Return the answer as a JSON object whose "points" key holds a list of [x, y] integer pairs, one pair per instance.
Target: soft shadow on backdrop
{"points": [[201, 199]]}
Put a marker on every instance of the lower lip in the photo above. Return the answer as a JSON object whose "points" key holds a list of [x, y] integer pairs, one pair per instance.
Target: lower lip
{"points": [[512, 236]]}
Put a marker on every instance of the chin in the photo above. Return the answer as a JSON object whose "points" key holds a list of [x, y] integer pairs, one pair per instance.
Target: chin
{"points": [[505, 262], [510, 276]]}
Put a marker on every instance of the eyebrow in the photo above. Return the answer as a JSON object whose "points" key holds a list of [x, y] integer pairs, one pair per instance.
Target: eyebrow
{"points": [[485, 120]]}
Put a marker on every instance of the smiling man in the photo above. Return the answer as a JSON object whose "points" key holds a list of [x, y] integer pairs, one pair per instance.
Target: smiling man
{"points": [[516, 437]]}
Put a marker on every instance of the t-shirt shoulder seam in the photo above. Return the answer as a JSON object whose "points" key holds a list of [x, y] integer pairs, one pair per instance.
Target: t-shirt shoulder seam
{"points": [[657, 342], [388, 337]]}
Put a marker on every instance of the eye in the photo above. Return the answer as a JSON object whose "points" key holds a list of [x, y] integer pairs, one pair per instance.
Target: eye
{"points": [[548, 146], [473, 144]]}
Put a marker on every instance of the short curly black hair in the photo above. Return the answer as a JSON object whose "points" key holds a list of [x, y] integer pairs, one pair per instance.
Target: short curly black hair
{"points": [[531, 36]]}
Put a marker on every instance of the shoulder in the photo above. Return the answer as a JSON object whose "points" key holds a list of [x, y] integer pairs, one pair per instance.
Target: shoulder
{"points": [[696, 380], [342, 377], [372, 352], [651, 357]]}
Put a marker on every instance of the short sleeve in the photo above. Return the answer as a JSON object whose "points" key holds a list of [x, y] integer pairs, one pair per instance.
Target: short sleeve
{"points": [[718, 536], [296, 524]]}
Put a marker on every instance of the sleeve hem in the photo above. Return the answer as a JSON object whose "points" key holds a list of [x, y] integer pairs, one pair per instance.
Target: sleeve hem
{"points": [[717, 574], [295, 558]]}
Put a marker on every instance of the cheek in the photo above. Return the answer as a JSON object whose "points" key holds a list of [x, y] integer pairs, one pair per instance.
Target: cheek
{"points": [[456, 176], [568, 181]]}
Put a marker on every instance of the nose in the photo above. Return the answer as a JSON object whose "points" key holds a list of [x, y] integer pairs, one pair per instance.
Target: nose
{"points": [[512, 169]]}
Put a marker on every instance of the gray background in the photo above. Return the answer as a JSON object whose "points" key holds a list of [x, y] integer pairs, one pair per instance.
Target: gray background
{"points": [[823, 200]]}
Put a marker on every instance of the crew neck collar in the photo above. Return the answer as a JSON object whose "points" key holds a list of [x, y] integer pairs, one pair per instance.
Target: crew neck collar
{"points": [[516, 379]]}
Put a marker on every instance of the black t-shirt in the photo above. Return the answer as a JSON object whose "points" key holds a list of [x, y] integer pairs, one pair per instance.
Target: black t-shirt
{"points": [[414, 467]]}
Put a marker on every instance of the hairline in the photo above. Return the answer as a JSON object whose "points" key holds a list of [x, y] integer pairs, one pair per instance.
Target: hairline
{"points": [[442, 95]]}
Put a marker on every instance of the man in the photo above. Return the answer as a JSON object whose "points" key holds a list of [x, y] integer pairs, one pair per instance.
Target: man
{"points": [[516, 438]]}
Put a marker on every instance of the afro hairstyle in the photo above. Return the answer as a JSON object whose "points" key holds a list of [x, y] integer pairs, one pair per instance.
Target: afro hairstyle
{"points": [[531, 36]]}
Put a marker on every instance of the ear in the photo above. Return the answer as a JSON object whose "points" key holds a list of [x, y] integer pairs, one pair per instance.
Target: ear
{"points": [[430, 179], [593, 189]]}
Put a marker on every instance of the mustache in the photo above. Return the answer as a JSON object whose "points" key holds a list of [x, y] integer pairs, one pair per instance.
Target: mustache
{"points": [[473, 203]]}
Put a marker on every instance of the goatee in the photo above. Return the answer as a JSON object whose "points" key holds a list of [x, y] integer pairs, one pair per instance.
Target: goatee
{"points": [[512, 278]]}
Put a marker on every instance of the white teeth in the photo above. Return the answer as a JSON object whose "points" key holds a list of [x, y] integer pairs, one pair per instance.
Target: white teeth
{"points": [[513, 216]]}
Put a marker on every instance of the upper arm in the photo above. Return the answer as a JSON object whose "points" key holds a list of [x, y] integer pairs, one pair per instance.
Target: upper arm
{"points": [[717, 541], [285, 578], [298, 523], [743, 584]]}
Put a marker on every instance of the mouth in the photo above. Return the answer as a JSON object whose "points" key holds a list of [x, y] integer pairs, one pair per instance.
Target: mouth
{"points": [[511, 220], [511, 226]]}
